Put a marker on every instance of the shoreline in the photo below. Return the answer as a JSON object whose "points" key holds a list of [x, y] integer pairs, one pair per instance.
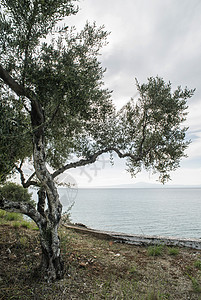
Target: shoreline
{"points": [[137, 239]]}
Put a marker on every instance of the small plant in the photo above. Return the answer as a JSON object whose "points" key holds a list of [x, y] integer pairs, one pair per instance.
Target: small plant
{"points": [[173, 251], [155, 250], [197, 264], [196, 285], [66, 217]]}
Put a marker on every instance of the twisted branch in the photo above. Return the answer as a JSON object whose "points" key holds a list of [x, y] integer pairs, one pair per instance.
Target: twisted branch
{"points": [[93, 158]]}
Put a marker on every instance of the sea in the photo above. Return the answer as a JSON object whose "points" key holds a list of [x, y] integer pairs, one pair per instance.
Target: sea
{"points": [[174, 212], [149, 211]]}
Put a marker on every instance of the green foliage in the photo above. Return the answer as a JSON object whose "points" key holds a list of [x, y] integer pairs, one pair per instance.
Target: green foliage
{"points": [[13, 217], [152, 127], [155, 250], [15, 142], [10, 216], [2, 213], [60, 68], [16, 193], [55, 108], [16, 224], [195, 284], [64, 74], [23, 23], [16, 220], [26, 224], [197, 264], [173, 251]]}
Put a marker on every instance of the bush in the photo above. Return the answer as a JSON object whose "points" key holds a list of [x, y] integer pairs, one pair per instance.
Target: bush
{"points": [[15, 192]]}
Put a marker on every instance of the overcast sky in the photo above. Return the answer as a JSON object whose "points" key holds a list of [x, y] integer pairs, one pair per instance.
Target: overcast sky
{"points": [[148, 38]]}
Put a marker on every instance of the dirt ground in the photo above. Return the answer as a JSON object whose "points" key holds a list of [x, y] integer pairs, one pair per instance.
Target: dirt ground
{"points": [[96, 269]]}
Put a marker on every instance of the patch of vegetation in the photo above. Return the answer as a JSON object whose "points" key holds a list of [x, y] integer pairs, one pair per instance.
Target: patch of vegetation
{"points": [[16, 225], [10, 216], [155, 250], [27, 224], [154, 295], [2, 213], [16, 220], [173, 251], [197, 264], [16, 193], [195, 284], [95, 269]]}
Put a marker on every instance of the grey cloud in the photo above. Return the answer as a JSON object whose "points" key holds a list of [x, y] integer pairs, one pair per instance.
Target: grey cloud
{"points": [[149, 38]]}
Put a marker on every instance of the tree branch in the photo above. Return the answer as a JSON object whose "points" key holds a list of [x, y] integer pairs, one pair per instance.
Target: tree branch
{"points": [[21, 207], [54, 114], [30, 182], [21, 91], [25, 183], [21, 174], [17, 88], [143, 131], [93, 158]]}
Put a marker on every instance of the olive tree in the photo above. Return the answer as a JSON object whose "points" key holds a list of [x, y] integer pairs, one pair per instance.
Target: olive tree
{"points": [[52, 80], [14, 145]]}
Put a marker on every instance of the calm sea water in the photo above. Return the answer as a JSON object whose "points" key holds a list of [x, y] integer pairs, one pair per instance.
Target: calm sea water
{"points": [[168, 212]]}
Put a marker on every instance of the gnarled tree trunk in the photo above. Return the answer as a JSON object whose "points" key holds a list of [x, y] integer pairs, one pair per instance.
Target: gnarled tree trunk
{"points": [[52, 264]]}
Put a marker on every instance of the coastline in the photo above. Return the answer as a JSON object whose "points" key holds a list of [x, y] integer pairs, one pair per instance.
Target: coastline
{"points": [[137, 239]]}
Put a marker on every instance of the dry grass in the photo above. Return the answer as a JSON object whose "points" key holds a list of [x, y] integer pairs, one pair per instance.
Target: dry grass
{"points": [[95, 269]]}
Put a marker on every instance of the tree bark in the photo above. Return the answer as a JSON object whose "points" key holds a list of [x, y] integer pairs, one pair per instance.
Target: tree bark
{"points": [[52, 264], [47, 221], [51, 255]]}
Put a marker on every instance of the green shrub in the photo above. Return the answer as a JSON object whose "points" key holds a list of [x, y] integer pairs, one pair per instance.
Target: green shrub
{"points": [[155, 250], [15, 192]]}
